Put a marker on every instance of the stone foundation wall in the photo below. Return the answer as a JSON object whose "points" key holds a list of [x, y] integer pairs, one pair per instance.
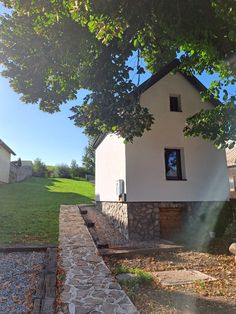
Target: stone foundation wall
{"points": [[117, 213], [143, 221], [201, 219], [140, 221]]}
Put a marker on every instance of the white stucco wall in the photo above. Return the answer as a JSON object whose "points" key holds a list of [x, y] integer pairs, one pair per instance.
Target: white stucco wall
{"points": [[110, 167], [204, 166], [5, 157]]}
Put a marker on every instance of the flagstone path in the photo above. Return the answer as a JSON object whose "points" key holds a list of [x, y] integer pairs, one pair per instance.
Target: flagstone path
{"points": [[89, 286]]}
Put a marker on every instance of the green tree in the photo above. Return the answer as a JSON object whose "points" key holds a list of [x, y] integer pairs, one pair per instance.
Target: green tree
{"points": [[19, 162], [51, 49], [50, 171], [82, 172], [39, 168], [62, 171], [74, 168], [88, 158]]}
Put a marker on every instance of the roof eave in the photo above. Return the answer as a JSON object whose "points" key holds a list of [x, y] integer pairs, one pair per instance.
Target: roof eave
{"points": [[7, 148], [98, 140]]}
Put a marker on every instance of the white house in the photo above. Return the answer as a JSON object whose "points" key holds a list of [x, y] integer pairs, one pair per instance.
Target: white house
{"points": [[147, 187], [5, 160]]}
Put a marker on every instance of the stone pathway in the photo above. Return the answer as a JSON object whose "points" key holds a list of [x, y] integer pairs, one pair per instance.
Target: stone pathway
{"points": [[89, 286]]}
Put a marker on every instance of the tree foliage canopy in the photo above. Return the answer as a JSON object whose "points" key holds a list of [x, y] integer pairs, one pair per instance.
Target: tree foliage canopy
{"points": [[39, 168], [88, 158], [50, 49]]}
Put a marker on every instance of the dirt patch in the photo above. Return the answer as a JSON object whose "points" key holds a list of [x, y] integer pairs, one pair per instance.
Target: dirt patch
{"points": [[199, 297]]}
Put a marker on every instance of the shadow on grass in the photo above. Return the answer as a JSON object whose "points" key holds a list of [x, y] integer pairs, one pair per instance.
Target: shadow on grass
{"points": [[29, 211], [185, 303]]}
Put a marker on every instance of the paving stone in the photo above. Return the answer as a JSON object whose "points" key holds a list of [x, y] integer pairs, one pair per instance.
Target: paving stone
{"points": [[81, 310], [109, 308], [181, 277], [89, 286]]}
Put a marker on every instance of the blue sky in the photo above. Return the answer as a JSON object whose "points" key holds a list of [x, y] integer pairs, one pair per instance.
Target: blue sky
{"points": [[33, 134]]}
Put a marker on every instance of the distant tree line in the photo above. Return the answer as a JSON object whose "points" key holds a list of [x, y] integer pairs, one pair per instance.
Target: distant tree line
{"points": [[40, 169]]}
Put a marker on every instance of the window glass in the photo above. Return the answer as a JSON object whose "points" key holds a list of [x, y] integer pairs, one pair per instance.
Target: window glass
{"points": [[173, 164], [175, 103]]}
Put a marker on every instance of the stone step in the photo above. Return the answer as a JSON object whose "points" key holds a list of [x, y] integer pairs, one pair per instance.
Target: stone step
{"points": [[89, 223], [102, 245], [83, 211]]}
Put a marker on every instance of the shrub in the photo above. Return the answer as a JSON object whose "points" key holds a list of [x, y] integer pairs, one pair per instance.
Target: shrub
{"points": [[39, 168], [82, 172], [62, 171], [50, 171], [74, 168]]}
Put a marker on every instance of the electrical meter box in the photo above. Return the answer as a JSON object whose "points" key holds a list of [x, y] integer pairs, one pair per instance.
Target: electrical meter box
{"points": [[119, 187], [120, 190]]}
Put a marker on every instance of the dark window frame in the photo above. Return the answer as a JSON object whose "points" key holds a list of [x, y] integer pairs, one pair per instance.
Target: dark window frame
{"points": [[175, 103], [179, 176]]}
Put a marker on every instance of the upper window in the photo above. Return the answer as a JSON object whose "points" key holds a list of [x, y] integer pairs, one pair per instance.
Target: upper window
{"points": [[175, 103], [173, 164]]}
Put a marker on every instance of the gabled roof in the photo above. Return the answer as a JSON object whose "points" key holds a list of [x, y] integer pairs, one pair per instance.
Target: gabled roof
{"points": [[231, 157], [157, 77], [98, 140], [7, 148], [167, 69]]}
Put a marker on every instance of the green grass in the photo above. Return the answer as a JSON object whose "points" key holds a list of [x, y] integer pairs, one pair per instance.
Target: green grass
{"points": [[132, 287], [142, 276], [29, 211]]}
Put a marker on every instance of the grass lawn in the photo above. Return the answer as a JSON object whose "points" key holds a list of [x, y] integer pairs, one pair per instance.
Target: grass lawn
{"points": [[29, 210]]}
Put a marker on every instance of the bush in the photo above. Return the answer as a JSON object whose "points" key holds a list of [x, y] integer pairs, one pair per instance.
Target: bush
{"points": [[74, 169], [39, 168], [62, 171], [82, 172], [50, 171]]}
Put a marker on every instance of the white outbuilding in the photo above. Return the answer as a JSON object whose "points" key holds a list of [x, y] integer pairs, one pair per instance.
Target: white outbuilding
{"points": [[148, 187], [5, 160]]}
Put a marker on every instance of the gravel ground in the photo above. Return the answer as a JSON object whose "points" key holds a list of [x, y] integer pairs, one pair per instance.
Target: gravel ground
{"points": [[19, 273]]}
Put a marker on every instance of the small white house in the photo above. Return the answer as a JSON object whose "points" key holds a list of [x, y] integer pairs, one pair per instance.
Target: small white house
{"points": [[148, 186], [5, 160]]}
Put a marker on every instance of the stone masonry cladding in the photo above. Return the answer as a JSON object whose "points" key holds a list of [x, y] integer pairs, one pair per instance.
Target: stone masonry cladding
{"points": [[117, 213], [141, 221]]}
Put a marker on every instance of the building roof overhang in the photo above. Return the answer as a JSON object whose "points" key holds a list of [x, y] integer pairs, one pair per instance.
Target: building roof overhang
{"points": [[7, 148]]}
